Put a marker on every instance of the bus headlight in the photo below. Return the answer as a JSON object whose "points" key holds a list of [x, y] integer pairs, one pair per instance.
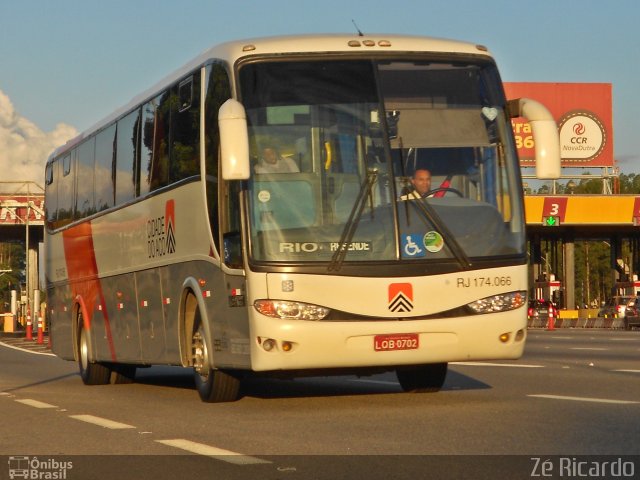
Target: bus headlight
{"points": [[499, 303], [288, 309]]}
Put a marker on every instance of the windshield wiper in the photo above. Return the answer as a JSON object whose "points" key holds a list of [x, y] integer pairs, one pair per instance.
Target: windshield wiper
{"points": [[354, 218], [449, 238]]}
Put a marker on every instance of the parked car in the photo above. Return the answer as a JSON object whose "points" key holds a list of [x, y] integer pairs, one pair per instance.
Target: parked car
{"points": [[616, 306], [539, 309]]}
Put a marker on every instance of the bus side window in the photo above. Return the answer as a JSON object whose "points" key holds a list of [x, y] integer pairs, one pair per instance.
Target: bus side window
{"points": [[51, 192], [104, 174], [66, 190], [85, 198], [231, 239], [127, 148], [185, 129], [154, 158], [232, 249], [218, 91]]}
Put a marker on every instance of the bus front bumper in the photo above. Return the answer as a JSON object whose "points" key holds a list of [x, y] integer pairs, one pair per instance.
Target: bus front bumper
{"points": [[297, 345]]}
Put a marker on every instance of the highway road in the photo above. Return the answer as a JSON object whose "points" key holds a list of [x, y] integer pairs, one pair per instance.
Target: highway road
{"points": [[575, 394]]}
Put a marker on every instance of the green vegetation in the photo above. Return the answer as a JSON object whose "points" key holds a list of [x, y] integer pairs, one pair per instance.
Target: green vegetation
{"points": [[11, 272]]}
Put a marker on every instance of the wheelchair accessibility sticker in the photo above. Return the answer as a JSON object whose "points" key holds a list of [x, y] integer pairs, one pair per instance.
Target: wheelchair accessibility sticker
{"points": [[413, 246]]}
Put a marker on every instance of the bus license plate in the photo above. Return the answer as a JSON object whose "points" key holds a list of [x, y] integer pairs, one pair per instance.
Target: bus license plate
{"points": [[396, 341]]}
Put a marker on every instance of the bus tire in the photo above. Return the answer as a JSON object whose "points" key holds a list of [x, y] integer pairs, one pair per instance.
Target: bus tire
{"points": [[92, 373], [422, 378], [213, 385]]}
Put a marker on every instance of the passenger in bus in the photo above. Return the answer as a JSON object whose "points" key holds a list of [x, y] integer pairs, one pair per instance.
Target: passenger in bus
{"points": [[420, 183], [272, 162]]}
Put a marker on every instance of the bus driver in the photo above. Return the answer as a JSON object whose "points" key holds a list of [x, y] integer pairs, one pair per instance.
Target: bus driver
{"points": [[421, 182]]}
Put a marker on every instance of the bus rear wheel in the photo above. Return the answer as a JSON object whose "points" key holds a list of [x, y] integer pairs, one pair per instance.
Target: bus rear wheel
{"points": [[92, 373], [422, 378], [213, 385]]}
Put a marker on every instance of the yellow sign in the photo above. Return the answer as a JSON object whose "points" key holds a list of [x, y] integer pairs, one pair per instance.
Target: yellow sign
{"points": [[584, 209]]}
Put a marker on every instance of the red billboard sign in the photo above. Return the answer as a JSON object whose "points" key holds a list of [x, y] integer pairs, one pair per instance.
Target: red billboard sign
{"points": [[14, 208], [583, 113]]}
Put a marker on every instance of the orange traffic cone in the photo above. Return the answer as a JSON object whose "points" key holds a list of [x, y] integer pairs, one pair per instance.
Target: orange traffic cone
{"points": [[551, 324], [29, 325]]}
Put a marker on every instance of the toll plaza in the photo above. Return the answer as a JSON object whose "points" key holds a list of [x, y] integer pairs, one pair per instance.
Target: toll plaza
{"points": [[555, 222], [22, 222], [584, 116]]}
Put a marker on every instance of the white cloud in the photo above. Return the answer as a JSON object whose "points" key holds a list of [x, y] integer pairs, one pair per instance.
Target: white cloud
{"points": [[24, 148]]}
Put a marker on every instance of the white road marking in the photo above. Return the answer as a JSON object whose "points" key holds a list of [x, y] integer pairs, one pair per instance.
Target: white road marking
{"points": [[597, 349], [35, 403], [584, 399], [27, 350], [487, 364], [102, 422], [627, 371], [213, 452]]}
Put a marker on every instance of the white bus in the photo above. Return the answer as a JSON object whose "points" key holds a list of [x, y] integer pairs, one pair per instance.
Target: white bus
{"points": [[171, 238]]}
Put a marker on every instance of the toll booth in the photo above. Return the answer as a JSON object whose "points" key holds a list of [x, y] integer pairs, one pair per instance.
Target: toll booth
{"points": [[627, 286], [549, 289]]}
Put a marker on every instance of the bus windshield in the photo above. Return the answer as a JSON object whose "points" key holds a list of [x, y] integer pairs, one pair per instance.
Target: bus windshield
{"points": [[390, 159]]}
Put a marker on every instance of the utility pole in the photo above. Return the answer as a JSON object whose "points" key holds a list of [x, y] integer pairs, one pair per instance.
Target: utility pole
{"points": [[26, 248], [586, 249]]}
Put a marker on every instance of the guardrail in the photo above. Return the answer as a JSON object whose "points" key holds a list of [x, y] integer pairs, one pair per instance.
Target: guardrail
{"points": [[588, 322]]}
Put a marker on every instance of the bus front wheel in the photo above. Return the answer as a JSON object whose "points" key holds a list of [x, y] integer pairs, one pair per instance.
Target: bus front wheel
{"points": [[91, 373], [213, 385], [422, 378]]}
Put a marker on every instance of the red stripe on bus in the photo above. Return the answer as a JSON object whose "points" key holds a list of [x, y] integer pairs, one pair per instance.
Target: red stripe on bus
{"points": [[170, 214], [82, 269]]}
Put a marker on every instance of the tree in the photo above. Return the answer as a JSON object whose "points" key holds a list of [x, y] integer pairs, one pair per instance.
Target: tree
{"points": [[629, 183], [12, 259], [590, 186]]}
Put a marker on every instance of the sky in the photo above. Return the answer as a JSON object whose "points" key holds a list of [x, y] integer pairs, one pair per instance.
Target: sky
{"points": [[65, 64]]}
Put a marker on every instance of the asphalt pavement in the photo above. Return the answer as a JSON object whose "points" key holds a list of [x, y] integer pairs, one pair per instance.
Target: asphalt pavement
{"points": [[19, 341]]}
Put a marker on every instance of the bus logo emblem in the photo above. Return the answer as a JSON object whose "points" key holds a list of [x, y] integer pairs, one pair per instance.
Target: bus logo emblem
{"points": [[400, 297], [170, 215], [161, 232]]}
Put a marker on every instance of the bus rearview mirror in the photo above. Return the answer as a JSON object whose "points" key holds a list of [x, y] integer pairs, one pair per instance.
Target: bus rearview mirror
{"points": [[545, 135], [234, 141]]}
